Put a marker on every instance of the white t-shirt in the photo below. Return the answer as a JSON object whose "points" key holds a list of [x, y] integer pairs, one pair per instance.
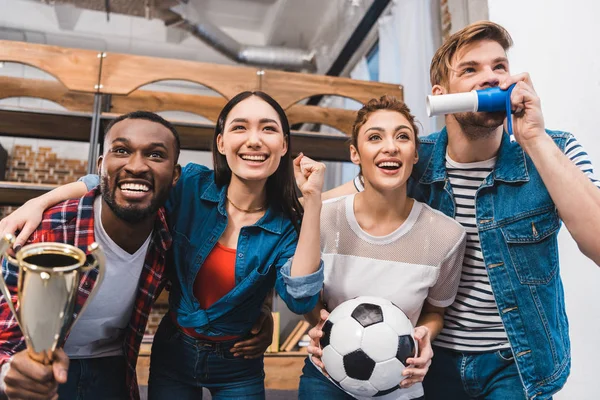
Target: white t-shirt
{"points": [[99, 330], [421, 260]]}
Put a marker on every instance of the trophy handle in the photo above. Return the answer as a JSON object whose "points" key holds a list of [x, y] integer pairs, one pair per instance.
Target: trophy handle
{"points": [[99, 262], [5, 244]]}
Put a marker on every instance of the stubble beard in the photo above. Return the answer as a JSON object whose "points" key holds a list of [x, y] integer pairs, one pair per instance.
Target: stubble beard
{"points": [[477, 126]]}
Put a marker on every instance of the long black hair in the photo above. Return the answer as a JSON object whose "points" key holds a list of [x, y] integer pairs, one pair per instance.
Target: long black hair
{"points": [[281, 186]]}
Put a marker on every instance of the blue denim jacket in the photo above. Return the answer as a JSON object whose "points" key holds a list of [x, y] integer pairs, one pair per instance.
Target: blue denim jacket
{"points": [[197, 218], [518, 226]]}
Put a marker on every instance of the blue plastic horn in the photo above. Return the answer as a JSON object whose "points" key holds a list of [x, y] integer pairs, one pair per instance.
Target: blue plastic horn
{"points": [[488, 100]]}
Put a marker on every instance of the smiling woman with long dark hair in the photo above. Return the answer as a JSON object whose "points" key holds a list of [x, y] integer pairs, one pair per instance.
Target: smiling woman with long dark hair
{"points": [[236, 235]]}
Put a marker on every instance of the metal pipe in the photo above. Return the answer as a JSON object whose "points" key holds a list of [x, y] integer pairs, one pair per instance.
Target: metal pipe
{"points": [[94, 134], [261, 56]]}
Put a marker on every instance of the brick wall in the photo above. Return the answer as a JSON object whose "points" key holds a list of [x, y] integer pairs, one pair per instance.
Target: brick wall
{"points": [[42, 166]]}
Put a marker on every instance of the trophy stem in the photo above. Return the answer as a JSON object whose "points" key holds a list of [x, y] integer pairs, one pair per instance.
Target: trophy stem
{"points": [[43, 357]]}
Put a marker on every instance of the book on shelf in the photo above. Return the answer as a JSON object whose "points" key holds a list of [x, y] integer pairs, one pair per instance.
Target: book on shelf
{"points": [[304, 341], [294, 337], [274, 347]]}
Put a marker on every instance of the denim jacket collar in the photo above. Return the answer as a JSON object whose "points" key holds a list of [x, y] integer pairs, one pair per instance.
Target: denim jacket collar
{"points": [[272, 221], [510, 164]]}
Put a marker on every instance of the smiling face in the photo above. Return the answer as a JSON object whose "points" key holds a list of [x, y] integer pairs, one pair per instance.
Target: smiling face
{"points": [[385, 150], [252, 140], [138, 168], [478, 65]]}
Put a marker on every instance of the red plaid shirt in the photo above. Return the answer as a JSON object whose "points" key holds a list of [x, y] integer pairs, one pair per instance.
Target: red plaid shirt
{"points": [[72, 222]]}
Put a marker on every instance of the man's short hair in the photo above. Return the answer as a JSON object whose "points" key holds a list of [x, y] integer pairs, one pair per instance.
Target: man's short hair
{"points": [[483, 30], [149, 116]]}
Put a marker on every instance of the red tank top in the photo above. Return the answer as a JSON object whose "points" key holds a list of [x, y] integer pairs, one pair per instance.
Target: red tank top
{"points": [[214, 280]]}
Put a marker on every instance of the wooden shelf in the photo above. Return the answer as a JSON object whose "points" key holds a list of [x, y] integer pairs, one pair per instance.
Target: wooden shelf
{"points": [[287, 354], [39, 124], [17, 193]]}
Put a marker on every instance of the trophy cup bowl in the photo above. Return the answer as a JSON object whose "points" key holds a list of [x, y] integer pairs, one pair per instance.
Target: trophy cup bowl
{"points": [[48, 281]]}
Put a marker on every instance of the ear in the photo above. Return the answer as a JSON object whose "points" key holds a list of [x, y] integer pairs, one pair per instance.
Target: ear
{"points": [[99, 164], [416, 157], [436, 90], [354, 155], [220, 145], [176, 175], [285, 146]]}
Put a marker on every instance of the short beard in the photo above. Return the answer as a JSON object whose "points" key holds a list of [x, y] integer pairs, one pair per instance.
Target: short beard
{"points": [[478, 126], [131, 214]]}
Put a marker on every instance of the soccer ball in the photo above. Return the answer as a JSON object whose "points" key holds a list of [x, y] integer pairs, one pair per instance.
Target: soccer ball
{"points": [[365, 343]]}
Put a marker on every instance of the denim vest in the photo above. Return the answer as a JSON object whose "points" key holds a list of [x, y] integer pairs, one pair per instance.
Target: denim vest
{"points": [[518, 226]]}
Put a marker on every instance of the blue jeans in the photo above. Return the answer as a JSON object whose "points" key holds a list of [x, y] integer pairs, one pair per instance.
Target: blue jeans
{"points": [[180, 366], [315, 386], [95, 379], [455, 375]]}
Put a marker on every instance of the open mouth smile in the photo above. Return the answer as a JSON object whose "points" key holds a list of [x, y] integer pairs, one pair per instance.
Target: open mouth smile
{"points": [[134, 190], [254, 158], [389, 167]]}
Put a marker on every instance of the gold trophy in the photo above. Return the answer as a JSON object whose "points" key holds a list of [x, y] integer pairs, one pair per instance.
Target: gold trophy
{"points": [[48, 281]]}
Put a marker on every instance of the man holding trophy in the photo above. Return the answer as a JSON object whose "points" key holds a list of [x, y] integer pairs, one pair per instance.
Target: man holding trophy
{"points": [[124, 216]]}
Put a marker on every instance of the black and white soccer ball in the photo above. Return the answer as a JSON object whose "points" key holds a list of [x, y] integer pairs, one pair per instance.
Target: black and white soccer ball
{"points": [[365, 343]]}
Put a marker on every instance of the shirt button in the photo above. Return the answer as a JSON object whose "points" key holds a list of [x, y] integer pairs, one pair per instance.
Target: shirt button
{"points": [[241, 255]]}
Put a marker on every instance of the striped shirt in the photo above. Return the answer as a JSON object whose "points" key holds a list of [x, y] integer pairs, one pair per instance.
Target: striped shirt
{"points": [[472, 322]]}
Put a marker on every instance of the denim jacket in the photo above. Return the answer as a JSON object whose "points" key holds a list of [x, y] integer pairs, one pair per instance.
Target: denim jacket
{"points": [[518, 226], [197, 218]]}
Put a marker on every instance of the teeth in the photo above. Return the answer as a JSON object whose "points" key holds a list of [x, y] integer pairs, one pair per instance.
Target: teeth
{"points": [[389, 164], [135, 187], [254, 158]]}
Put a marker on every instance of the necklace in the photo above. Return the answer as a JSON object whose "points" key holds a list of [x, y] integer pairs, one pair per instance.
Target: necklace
{"points": [[249, 210]]}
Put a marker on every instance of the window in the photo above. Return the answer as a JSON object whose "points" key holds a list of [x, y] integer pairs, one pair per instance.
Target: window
{"points": [[373, 62]]}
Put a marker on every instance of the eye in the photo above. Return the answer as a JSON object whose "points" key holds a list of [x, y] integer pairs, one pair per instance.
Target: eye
{"points": [[374, 137], [238, 128], [500, 66], [120, 150], [270, 128], [403, 136], [156, 154], [468, 70]]}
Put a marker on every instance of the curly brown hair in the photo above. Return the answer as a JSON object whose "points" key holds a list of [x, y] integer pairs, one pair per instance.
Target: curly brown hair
{"points": [[385, 102], [439, 72]]}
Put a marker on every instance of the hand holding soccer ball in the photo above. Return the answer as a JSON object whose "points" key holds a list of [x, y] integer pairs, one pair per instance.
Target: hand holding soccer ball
{"points": [[369, 348]]}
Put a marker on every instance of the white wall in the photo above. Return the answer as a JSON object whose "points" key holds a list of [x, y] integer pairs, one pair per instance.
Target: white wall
{"points": [[556, 41]]}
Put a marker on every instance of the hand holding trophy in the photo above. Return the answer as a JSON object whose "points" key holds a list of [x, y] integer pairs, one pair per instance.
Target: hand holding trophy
{"points": [[48, 280]]}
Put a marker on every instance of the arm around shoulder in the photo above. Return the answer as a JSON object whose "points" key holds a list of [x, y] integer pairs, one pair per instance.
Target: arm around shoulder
{"points": [[29, 216]]}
